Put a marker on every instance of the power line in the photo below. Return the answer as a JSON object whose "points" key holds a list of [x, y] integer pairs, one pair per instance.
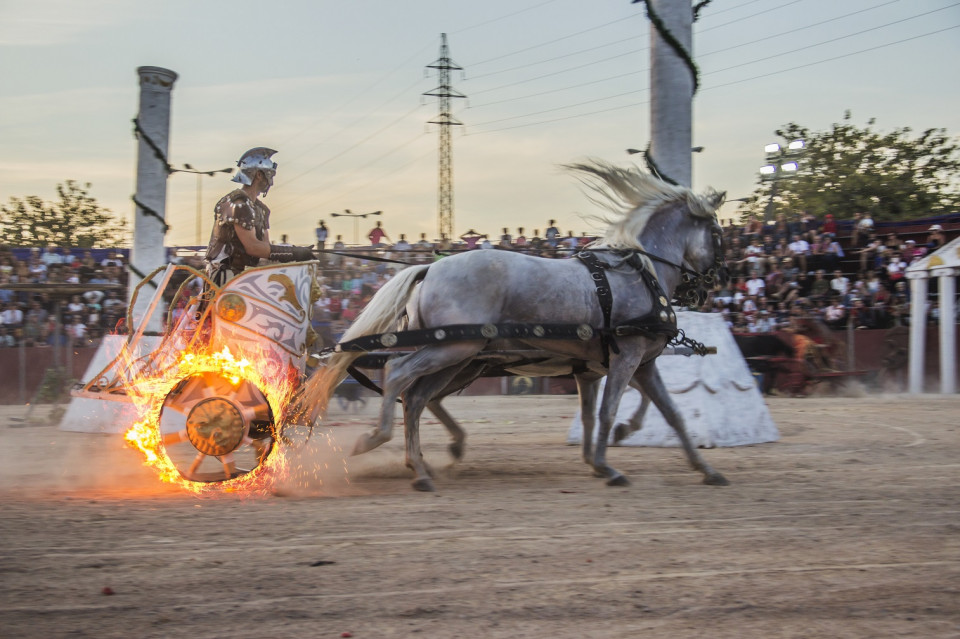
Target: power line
{"points": [[355, 145], [509, 15], [560, 39], [793, 31], [371, 181], [757, 77], [404, 65], [560, 108], [714, 13], [342, 177], [752, 15], [566, 88], [559, 57], [838, 57], [553, 73], [766, 57], [405, 91], [838, 38]]}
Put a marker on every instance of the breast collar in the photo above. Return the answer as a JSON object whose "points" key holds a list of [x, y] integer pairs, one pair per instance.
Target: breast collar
{"points": [[661, 320]]}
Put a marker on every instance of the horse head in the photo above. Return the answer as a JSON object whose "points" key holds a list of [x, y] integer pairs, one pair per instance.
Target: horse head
{"points": [[704, 263]]}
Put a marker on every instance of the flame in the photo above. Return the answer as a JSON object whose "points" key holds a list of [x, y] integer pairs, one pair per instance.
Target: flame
{"points": [[148, 392]]}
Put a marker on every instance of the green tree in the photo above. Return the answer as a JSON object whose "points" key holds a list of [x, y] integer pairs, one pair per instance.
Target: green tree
{"points": [[76, 220], [845, 169]]}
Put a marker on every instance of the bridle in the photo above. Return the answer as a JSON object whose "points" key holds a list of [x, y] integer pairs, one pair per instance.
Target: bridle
{"points": [[694, 285]]}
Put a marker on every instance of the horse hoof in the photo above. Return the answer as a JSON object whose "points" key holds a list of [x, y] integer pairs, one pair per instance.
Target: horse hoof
{"points": [[618, 480], [424, 485], [716, 479], [359, 447], [620, 433], [456, 450]]}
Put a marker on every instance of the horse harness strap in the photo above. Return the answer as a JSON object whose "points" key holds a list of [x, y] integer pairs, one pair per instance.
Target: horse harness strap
{"points": [[604, 297], [660, 320]]}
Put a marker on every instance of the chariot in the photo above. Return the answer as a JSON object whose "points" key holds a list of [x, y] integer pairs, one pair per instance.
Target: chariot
{"points": [[209, 388]]}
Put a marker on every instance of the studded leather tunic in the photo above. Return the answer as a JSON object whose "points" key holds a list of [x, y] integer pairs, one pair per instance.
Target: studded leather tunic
{"points": [[225, 250]]}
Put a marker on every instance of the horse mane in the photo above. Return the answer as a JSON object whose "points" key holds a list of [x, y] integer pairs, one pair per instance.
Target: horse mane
{"points": [[631, 197]]}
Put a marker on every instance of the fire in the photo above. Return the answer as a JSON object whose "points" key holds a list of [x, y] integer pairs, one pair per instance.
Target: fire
{"points": [[149, 390]]}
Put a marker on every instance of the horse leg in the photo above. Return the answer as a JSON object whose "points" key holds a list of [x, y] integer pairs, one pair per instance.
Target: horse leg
{"points": [[419, 395], [651, 384], [624, 429], [587, 389], [399, 375], [618, 376], [457, 433]]}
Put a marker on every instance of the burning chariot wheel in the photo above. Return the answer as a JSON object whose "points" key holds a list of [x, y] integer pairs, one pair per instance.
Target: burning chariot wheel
{"points": [[215, 429]]}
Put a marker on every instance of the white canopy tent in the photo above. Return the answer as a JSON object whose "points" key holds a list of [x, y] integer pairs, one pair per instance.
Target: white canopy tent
{"points": [[944, 264]]}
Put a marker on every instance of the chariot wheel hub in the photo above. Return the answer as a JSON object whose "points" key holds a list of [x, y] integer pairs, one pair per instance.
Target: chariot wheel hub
{"points": [[215, 426]]}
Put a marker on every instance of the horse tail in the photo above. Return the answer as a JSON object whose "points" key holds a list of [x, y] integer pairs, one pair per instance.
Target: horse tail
{"points": [[381, 314]]}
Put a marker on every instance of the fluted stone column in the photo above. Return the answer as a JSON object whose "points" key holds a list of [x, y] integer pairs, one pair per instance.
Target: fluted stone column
{"points": [[918, 329], [947, 292], [671, 92], [149, 228]]}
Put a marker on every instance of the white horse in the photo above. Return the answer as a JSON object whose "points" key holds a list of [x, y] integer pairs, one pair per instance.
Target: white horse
{"points": [[660, 237]]}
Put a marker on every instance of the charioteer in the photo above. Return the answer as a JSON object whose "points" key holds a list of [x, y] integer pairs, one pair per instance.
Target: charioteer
{"points": [[241, 230]]}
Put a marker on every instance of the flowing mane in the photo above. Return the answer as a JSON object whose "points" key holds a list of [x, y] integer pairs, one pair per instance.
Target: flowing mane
{"points": [[632, 196]]}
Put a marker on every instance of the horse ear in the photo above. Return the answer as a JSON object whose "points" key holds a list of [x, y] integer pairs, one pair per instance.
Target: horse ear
{"points": [[716, 198]]}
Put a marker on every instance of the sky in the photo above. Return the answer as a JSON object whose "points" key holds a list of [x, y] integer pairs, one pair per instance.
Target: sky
{"points": [[336, 87]]}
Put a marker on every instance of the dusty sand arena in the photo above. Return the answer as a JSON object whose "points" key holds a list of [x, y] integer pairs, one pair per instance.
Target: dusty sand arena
{"points": [[847, 527]]}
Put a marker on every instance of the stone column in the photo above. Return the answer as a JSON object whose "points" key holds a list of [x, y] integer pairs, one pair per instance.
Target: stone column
{"points": [[671, 92], [947, 289], [149, 227], [918, 328]]}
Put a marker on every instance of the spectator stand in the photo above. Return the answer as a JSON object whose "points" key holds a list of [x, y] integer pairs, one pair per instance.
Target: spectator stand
{"points": [[59, 377]]}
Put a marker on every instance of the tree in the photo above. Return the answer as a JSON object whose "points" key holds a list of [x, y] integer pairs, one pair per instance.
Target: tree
{"points": [[846, 169], [75, 221]]}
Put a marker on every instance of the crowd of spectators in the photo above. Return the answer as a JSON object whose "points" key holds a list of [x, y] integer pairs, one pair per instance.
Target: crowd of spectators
{"points": [[840, 271], [803, 267], [35, 284]]}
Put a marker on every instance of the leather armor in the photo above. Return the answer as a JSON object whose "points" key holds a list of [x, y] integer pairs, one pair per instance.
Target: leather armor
{"points": [[225, 248]]}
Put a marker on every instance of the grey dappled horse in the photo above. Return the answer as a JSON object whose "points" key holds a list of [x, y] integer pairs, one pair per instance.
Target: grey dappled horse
{"points": [[669, 223]]}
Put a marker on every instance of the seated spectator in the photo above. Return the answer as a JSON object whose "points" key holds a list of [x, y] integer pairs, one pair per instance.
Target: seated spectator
{"points": [[113, 302], [12, 316], [869, 252], [799, 250], [833, 252], [935, 239], [835, 315], [820, 289], [896, 267], [912, 252], [754, 257], [7, 340], [505, 238], [521, 240], [766, 323], [76, 305], [839, 284], [755, 285], [402, 244], [829, 225]]}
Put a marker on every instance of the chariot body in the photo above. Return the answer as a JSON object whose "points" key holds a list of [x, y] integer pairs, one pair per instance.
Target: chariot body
{"points": [[209, 389]]}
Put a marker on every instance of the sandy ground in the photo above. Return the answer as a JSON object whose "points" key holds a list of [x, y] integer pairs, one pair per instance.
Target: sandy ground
{"points": [[847, 527]]}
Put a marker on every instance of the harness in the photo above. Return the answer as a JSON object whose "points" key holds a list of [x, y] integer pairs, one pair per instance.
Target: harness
{"points": [[660, 321]]}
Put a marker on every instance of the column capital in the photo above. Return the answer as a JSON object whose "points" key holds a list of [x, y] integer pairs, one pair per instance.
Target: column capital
{"points": [[944, 271], [918, 275], [156, 78]]}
